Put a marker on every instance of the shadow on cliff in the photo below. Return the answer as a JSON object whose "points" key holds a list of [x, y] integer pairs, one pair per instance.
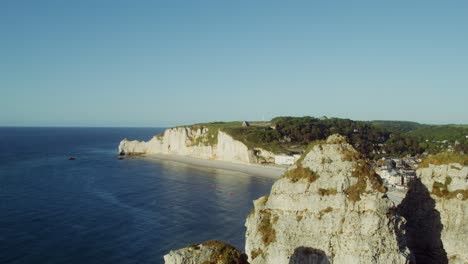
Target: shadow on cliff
{"points": [[307, 255], [423, 226]]}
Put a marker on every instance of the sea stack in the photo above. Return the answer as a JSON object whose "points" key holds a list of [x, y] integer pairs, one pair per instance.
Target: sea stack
{"points": [[329, 208]]}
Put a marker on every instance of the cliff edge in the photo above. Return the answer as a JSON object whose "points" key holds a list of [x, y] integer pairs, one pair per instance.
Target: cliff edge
{"points": [[329, 208], [436, 210], [209, 252], [198, 142]]}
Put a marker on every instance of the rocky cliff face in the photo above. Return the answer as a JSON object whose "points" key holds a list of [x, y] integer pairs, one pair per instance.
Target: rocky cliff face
{"points": [[329, 208], [210, 252], [436, 210], [198, 142]]}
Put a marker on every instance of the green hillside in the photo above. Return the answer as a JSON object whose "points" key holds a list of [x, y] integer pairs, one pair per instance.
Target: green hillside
{"points": [[372, 138], [397, 126]]}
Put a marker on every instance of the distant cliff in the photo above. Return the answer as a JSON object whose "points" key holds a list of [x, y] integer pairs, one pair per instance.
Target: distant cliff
{"points": [[198, 142]]}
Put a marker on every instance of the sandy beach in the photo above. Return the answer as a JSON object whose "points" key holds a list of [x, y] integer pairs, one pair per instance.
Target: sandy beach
{"points": [[270, 171]]}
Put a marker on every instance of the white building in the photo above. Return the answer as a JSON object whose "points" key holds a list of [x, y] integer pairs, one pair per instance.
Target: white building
{"points": [[392, 177]]}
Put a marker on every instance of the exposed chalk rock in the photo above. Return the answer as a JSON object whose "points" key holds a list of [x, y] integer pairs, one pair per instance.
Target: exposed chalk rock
{"points": [[200, 142], [328, 208], [436, 210]]}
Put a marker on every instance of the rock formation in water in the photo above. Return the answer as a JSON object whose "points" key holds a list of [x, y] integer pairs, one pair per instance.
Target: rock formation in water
{"points": [[199, 142], [436, 210], [329, 208], [210, 252]]}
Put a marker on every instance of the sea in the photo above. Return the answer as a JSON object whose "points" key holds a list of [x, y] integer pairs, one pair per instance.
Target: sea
{"points": [[101, 209]]}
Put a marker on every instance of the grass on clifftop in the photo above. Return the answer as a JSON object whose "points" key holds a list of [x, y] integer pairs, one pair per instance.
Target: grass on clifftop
{"points": [[209, 138], [301, 172], [257, 135], [445, 158], [224, 253], [364, 173]]}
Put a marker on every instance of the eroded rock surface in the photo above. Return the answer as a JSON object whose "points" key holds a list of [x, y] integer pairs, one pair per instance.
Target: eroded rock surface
{"points": [[436, 210], [329, 208], [200, 142]]}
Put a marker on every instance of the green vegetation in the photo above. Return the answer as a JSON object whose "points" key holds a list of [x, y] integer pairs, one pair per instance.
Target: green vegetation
{"points": [[304, 130], [396, 138], [445, 158], [225, 253], [257, 135], [401, 145], [300, 172], [266, 227], [434, 139], [441, 190], [396, 126], [364, 173], [350, 155], [440, 133], [309, 148], [293, 134], [354, 192], [209, 138], [219, 124]]}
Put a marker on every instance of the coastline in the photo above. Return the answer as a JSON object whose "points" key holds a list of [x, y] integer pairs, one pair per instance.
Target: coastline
{"points": [[270, 171]]}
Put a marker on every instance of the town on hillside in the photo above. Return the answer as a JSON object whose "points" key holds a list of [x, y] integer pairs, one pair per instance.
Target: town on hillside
{"points": [[393, 148]]}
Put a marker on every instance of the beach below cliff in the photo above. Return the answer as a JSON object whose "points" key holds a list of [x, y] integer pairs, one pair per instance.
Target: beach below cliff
{"points": [[270, 171]]}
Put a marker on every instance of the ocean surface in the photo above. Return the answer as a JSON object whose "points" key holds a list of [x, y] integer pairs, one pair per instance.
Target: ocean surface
{"points": [[99, 209]]}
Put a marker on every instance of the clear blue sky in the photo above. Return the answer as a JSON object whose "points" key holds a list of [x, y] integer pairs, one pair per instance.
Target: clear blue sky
{"points": [[163, 63]]}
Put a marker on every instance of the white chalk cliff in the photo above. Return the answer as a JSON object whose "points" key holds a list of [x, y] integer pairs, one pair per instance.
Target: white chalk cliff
{"points": [[330, 208], [197, 142], [436, 210]]}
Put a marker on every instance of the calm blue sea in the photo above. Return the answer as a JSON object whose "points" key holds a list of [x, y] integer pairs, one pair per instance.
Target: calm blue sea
{"points": [[98, 209]]}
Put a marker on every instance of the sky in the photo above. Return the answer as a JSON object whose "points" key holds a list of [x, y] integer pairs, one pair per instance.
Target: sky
{"points": [[165, 63]]}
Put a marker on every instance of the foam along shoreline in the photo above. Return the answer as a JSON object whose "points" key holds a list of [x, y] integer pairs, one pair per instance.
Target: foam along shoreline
{"points": [[271, 171]]}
